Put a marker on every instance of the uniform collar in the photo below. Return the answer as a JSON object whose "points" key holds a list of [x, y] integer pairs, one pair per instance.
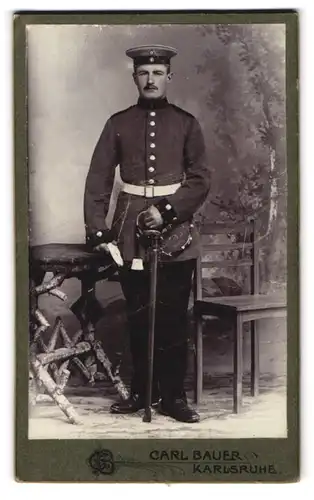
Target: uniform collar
{"points": [[152, 103]]}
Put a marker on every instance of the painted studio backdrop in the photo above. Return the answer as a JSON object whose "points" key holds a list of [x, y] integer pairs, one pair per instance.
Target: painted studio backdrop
{"points": [[231, 77]]}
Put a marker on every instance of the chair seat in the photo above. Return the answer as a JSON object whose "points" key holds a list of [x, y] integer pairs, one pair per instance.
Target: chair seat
{"points": [[242, 303], [66, 253]]}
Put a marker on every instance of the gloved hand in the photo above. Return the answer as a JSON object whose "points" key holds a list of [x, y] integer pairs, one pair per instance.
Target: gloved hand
{"points": [[152, 218], [111, 249]]}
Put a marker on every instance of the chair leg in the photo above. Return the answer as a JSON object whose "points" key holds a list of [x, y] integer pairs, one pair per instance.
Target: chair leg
{"points": [[238, 364], [255, 369], [198, 368]]}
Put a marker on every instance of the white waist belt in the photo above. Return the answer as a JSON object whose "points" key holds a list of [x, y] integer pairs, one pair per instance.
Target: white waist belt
{"points": [[150, 191]]}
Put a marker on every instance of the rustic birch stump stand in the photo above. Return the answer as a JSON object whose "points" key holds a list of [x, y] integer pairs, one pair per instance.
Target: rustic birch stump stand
{"points": [[50, 366]]}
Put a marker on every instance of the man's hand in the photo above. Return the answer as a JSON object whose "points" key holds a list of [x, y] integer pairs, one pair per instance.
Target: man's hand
{"points": [[153, 218], [111, 249], [102, 247]]}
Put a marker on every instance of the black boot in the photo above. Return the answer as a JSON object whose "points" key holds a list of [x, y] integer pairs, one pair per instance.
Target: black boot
{"points": [[135, 403], [179, 410]]}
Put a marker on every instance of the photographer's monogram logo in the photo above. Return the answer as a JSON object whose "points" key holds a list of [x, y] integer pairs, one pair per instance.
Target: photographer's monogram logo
{"points": [[102, 462]]}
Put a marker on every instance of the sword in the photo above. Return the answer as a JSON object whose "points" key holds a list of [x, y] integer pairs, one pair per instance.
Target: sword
{"points": [[154, 237]]}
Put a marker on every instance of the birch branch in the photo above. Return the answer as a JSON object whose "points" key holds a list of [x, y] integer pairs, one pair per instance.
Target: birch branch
{"points": [[70, 343], [53, 365], [64, 374], [54, 335], [41, 318], [63, 353], [55, 282], [54, 391], [37, 335], [58, 293], [104, 360]]}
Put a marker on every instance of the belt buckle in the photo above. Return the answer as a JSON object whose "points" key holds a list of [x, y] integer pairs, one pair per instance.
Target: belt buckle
{"points": [[149, 191]]}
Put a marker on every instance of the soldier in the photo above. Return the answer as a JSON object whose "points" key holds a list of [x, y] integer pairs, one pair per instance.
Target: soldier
{"points": [[161, 153]]}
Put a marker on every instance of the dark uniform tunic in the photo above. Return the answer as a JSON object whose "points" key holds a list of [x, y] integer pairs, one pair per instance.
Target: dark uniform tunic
{"points": [[156, 144]]}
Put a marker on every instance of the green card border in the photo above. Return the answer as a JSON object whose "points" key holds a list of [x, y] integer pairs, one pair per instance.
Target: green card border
{"points": [[67, 460]]}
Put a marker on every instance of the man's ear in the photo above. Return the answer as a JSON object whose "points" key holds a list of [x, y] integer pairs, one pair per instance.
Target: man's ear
{"points": [[169, 76]]}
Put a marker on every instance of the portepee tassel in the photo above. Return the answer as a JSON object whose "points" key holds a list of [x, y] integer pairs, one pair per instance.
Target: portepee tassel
{"points": [[137, 265]]}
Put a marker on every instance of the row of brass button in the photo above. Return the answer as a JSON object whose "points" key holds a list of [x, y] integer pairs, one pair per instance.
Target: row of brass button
{"points": [[152, 145]]}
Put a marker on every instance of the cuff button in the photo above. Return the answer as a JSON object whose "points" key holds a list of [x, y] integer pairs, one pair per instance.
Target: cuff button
{"points": [[168, 207], [99, 234]]}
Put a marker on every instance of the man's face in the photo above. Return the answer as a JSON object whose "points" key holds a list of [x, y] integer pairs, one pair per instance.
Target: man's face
{"points": [[151, 80]]}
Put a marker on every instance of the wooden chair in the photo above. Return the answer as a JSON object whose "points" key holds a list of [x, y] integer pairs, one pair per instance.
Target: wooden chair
{"points": [[236, 310]]}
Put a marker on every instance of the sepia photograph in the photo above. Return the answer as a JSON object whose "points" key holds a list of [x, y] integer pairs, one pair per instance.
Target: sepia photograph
{"points": [[157, 208]]}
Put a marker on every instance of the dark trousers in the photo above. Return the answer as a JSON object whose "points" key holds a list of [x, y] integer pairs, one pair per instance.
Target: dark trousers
{"points": [[170, 354]]}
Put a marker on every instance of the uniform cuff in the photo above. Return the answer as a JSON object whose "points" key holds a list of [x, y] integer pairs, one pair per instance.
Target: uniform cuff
{"points": [[101, 236], [167, 211]]}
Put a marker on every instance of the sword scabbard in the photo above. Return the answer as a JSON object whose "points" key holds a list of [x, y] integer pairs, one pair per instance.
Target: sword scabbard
{"points": [[155, 238]]}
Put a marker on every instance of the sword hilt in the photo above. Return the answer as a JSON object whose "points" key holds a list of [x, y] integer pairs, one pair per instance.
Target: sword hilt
{"points": [[152, 233], [153, 236]]}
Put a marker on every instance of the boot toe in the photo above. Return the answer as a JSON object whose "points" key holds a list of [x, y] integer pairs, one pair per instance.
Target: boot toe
{"points": [[194, 417], [131, 405], [179, 410], [122, 408]]}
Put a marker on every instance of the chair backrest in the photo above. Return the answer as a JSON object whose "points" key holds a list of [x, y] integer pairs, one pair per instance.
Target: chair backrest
{"points": [[240, 237]]}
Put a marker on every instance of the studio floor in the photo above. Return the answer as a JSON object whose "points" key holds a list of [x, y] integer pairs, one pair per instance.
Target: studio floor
{"points": [[263, 416]]}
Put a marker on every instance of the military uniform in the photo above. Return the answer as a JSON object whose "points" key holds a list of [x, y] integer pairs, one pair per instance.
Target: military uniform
{"points": [[161, 153]]}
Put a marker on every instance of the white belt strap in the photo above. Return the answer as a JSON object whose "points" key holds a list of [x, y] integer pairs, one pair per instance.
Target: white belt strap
{"points": [[150, 191]]}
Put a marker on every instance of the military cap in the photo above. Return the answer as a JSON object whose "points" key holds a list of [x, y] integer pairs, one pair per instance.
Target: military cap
{"points": [[151, 54]]}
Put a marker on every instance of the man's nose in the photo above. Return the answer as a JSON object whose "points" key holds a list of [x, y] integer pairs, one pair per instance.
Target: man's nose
{"points": [[150, 79]]}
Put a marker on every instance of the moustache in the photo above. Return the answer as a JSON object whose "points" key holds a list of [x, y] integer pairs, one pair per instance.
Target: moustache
{"points": [[150, 87]]}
